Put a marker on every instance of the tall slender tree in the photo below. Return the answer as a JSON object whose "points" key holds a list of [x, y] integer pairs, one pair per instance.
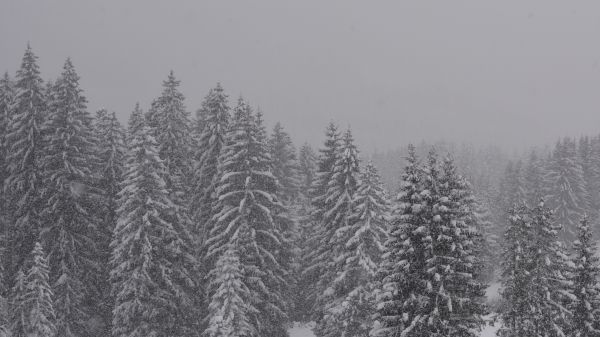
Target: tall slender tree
{"points": [[25, 146], [38, 297], [248, 210], [350, 311], [152, 277], [314, 253], [401, 271], [214, 117], [71, 230], [110, 147]]}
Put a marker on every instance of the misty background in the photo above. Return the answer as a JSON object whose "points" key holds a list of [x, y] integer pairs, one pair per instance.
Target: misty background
{"points": [[512, 73]]}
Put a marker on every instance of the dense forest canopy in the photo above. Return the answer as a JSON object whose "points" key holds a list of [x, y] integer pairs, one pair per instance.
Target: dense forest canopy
{"points": [[210, 224]]}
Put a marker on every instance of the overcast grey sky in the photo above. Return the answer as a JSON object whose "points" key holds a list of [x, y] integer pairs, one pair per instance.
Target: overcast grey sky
{"points": [[508, 72]]}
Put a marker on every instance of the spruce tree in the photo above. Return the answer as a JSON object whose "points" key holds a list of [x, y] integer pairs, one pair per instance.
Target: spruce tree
{"points": [[71, 230], [38, 297], [25, 146], [516, 278], [249, 211], [349, 313], [152, 277], [215, 117], [32, 311], [456, 293], [110, 140], [401, 271], [536, 276], [336, 217], [230, 308], [170, 124], [586, 306], [567, 194]]}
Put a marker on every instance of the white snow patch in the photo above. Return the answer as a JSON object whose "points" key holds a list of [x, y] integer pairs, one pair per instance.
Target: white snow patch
{"points": [[302, 330], [493, 291]]}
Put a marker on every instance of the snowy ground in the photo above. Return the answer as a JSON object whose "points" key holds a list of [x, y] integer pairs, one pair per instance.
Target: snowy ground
{"points": [[305, 331]]}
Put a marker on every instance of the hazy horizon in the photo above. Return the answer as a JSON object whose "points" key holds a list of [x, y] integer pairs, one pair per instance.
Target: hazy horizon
{"points": [[510, 73]]}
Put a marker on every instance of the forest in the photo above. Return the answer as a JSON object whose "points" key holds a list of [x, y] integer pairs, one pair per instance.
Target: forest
{"points": [[209, 224]]}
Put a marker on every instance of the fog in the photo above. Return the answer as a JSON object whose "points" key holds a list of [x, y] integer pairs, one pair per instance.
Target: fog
{"points": [[512, 73]]}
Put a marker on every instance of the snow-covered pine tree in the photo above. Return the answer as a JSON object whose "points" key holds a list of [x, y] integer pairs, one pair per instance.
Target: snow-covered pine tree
{"points": [[71, 230], [152, 278], [516, 278], [32, 311], [454, 289], [586, 157], [284, 167], [551, 290], [567, 194], [230, 308], [38, 297], [399, 302], [535, 276], [248, 209], [585, 278], [25, 146], [214, 116], [350, 312], [284, 164], [336, 217], [110, 147], [170, 124]]}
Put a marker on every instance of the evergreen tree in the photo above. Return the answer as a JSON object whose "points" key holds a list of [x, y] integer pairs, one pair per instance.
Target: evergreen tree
{"points": [[284, 166], [215, 120], [401, 271], [349, 314], [248, 210], [32, 306], [230, 305], [71, 230], [567, 195], [38, 297], [516, 278], [455, 292], [170, 123], [152, 280], [536, 284], [586, 307], [340, 192], [25, 147], [111, 152]]}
